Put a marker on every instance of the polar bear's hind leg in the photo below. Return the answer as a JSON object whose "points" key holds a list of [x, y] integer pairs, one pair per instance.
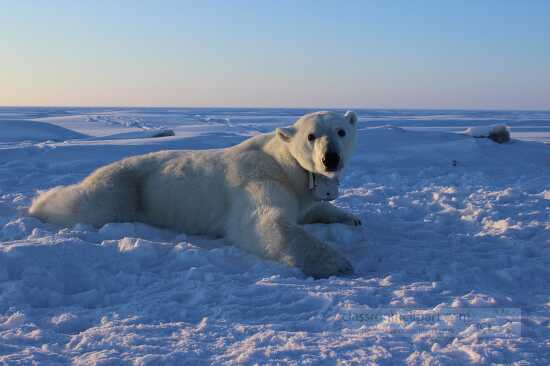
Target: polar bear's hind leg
{"points": [[58, 205], [110, 194]]}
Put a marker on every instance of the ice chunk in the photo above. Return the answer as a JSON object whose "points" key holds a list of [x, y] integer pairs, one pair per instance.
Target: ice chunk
{"points": [[498, 133]]}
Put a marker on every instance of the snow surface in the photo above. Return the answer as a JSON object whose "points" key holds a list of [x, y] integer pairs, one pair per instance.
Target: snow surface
{"points": [[21, 130], [146, 133], [450, 223]]}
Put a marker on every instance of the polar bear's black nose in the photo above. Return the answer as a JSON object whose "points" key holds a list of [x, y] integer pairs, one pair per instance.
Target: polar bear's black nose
{"points": [[331, 161]]}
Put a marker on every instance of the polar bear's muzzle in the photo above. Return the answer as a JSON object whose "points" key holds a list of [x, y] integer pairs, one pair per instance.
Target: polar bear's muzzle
{"points": [[328, 158]]}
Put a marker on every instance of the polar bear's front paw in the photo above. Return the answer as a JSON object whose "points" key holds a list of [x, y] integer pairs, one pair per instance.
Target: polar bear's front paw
{"points": [[327, 263]]}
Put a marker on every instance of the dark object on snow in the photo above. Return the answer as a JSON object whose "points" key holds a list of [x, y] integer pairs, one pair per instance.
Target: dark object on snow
{"points": [[164, 133], [500, 134]]}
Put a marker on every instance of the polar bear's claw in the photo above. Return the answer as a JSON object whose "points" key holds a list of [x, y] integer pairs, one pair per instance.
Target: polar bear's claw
{"points": [[352, 220]]}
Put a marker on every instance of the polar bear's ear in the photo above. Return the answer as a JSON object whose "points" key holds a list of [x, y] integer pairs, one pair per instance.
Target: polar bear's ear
{"points": [[351, 116], [286, 133]]}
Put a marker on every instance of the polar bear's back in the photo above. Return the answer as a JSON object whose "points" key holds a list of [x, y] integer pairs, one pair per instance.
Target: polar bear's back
{"points": [[186, 192], [174, 189], [189, 191], [194, 191]]}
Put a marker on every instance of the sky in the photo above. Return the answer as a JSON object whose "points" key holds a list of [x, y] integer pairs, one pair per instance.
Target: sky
{"points": [[362, 54]]}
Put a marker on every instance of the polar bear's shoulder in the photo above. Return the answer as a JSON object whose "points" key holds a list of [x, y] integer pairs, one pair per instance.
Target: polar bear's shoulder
{"points": [[254, 164], [254, 143], [252, 160]]}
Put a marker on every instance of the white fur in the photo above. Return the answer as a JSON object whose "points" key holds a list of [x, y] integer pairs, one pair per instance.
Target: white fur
{"points": [[255, 194]]}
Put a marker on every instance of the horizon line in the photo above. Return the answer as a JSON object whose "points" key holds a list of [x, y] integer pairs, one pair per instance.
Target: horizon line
{"points": [[483, 109]]}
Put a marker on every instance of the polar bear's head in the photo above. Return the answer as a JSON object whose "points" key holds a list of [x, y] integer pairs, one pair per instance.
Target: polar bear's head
{"points": [[321, 142]]}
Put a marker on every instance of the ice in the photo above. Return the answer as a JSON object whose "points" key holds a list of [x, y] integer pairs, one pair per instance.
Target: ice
{"points": [[484, 131], [450, 222], [497, 133]]}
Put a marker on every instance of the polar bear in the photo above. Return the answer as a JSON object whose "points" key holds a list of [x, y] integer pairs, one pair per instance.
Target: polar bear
{"points": [[255, 194]]}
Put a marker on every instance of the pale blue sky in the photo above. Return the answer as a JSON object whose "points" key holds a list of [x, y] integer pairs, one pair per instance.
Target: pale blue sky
{"points": [[386, 54]]}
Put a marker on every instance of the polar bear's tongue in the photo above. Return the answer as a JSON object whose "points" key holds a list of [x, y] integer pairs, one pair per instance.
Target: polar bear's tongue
{"points": [[323, 188]]}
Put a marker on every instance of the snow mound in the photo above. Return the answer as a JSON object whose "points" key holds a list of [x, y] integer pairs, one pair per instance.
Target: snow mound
{"points": [[152, 133], [21, 130], [497, 133]]}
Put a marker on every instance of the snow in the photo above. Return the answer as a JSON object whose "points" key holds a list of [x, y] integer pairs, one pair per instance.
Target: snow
{"points": [[450, 224], [147, 133], [21, 130]]}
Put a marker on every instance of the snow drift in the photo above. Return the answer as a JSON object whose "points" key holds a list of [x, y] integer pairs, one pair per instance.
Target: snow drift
{"points": [[21, 130]]}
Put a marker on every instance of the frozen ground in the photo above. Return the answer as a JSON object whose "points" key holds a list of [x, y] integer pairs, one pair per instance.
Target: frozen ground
{"points": [[451, 224]]}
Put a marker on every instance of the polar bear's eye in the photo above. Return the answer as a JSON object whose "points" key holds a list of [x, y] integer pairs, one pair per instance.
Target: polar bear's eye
{"points": [[341, 133], [310, 137]]}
